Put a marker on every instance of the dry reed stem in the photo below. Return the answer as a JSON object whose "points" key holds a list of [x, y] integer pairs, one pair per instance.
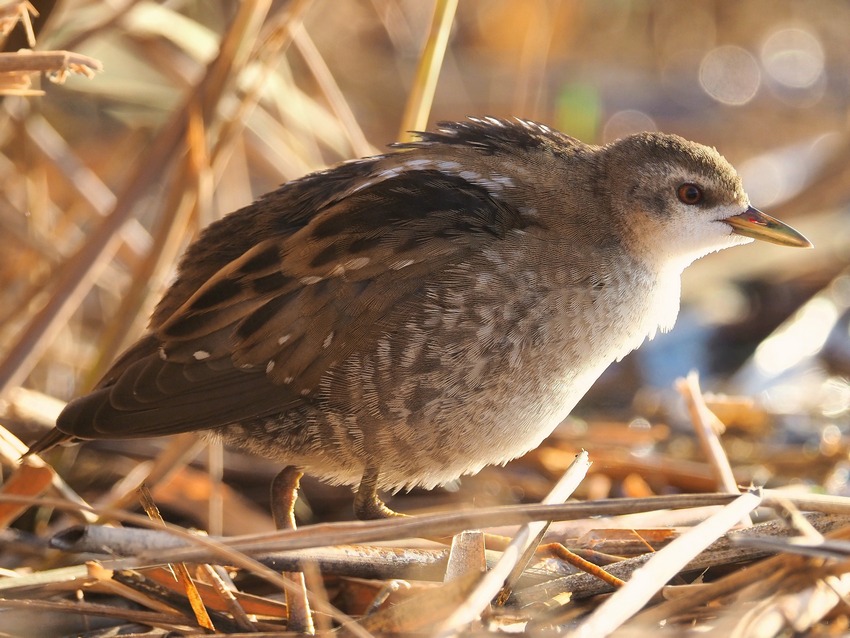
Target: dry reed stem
{"points": [[360, 146], [778, 566], [421, 94], [181, 449], [13, 12], [489, 586], [57, 63], [168, 622], [467, 555], [663, 566], [12, 450], [180, 570], [706, 425], [79, 272], [439, 524]]}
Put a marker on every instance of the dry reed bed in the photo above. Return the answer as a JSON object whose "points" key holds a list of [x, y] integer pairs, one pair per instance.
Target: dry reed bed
{"points": [[199, 111]]}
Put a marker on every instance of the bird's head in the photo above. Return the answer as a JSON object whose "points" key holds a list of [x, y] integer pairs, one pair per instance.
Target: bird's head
{"points": [[677, 200]]}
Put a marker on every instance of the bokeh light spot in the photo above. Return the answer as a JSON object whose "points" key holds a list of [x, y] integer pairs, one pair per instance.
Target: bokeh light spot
{"points": [[730, 75], [793, 58], [802, 337], [624, 123]]}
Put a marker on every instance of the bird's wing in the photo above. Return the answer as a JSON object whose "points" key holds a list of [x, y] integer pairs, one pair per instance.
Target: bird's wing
{"points": [[259, 334]]}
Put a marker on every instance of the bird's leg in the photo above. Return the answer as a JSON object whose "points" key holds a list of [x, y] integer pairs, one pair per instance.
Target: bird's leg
{"points": [[283, 496], [367, 504], [284, 493]]}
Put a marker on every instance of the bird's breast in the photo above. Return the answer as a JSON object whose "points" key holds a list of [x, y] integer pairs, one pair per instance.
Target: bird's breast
{"points": [[482, 365]]}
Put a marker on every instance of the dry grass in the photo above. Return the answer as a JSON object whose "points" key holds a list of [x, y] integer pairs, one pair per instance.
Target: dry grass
{"points": [[200, 107]]}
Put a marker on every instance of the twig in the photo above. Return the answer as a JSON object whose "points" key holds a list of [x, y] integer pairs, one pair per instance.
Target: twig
{"points": [[59, 63]]}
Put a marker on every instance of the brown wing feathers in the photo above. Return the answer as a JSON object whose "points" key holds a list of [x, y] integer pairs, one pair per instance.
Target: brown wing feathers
{"points": [[257, 335]]}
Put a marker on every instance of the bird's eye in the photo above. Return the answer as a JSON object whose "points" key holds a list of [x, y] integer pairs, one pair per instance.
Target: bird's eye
{"points": [[689, 194]]}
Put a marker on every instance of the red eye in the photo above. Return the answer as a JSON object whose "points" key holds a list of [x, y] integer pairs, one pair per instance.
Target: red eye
{"points": [[689, 194]]}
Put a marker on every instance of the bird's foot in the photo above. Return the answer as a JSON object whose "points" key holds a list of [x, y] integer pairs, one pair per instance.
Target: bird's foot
{"points": [[367, 504]]}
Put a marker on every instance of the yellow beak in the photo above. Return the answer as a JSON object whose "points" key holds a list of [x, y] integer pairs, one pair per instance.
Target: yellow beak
{"points": [[754, 223]]}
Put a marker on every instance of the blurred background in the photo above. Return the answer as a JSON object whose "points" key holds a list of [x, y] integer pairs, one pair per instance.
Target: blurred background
{"points": [[201, 107]]}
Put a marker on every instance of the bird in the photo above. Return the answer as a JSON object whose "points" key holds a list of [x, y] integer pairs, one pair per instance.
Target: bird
{"points": [[408, 318]]}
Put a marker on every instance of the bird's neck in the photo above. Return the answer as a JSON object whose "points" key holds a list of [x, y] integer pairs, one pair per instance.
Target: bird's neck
{"points": [[652, 294], [668, 292]]}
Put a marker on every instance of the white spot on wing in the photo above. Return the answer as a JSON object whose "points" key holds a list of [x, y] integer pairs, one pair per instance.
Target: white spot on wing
{"points": [[417, 163], [328, 340], [270, 366], [283, 339], [200, 355], [310, 280]]}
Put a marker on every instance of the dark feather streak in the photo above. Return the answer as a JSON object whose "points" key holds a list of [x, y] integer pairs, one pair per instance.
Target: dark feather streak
{"points": [[220, 292]]}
